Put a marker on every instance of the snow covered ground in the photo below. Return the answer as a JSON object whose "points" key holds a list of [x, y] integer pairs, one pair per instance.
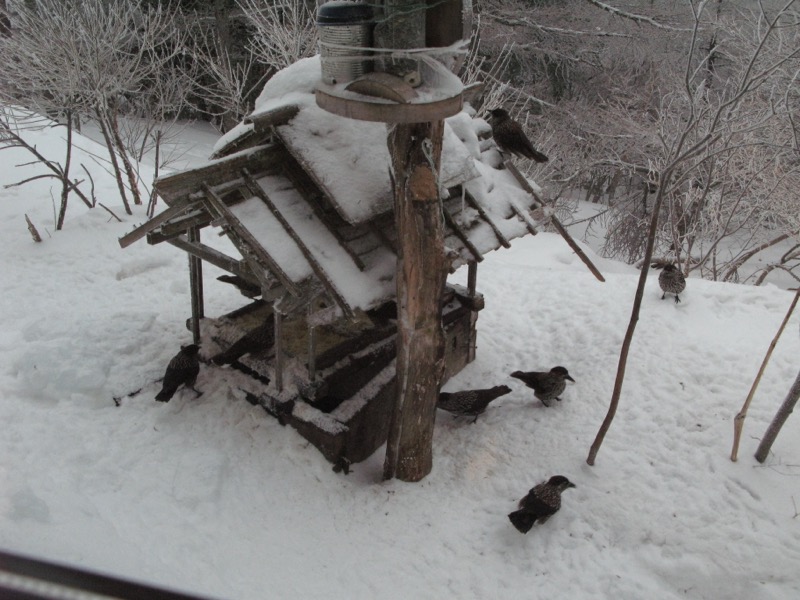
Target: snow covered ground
{"points": [[213, 496]]}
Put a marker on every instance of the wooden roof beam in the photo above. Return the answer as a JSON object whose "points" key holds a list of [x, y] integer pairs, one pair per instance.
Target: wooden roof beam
{"points": [[162, 217], [257, 190], [272, 118], [215, 257], [483, 215], [178, 185], [451, 223], [244, 241], [556, 223]]}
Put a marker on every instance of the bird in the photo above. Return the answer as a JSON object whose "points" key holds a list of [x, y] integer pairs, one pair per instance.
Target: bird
{"points": [[540, 503], [258, 338], [181, 370], [470, 403], [509, 136], [671, 281], [546, 385]]}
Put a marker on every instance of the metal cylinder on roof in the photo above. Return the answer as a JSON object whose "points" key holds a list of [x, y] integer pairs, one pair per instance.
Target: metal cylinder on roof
{"points": [[344, 28]]}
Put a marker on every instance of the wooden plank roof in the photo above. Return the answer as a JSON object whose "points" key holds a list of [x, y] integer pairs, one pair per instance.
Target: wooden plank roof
{"points": [[297, 229]]}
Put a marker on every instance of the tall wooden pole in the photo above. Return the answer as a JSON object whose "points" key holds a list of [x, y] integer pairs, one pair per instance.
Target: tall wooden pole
{"points": [[196, 285], [421, 274]]}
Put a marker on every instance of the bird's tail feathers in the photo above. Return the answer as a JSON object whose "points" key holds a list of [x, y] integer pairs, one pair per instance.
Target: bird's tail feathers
{"points": [[538, 156], [165, 395], [522, 520]]}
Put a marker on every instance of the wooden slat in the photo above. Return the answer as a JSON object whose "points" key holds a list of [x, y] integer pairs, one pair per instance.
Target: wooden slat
{"points": [[178, 185], [247, 244], [142, 230], [530, 225], [311, 193], [382, 237], [273, 118], [451, 223], [216, 258], [312, 261], [483, 214], [556, 223]]}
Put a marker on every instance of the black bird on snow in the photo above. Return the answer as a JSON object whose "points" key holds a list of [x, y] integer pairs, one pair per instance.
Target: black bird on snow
{"points": [[181, 370], [541, 503], [671, 281], [470, 403], [510, 137], [546, 385]]}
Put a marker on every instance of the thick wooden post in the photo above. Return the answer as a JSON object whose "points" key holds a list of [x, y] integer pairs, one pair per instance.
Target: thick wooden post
{"points": [[421, 274], [196, 284]]}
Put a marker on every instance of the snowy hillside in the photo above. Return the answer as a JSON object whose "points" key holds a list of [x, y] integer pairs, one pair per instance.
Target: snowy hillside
{"points": [[213, 496]]}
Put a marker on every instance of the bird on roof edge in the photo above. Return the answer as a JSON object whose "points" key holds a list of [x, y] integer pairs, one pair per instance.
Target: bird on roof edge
{"points": [[470, 403], [181, 370], [546, 385], [510, 137], [540, 503], [671, 281]]}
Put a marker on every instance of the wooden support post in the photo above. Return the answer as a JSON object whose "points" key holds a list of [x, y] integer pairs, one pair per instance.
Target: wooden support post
{"points": [[278, 349], [472, 278], [196, 284], [421, 274], [312, 353]]}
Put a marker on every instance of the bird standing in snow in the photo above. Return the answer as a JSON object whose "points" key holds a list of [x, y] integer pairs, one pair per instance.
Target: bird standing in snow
{"points": [[541, 503], [181, 370], [509, 136], [546, 385], [470, 403], [671, 281]]}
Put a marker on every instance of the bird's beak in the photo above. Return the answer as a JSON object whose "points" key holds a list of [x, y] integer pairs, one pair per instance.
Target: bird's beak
{"points": [[571, 484], [571, 379]]}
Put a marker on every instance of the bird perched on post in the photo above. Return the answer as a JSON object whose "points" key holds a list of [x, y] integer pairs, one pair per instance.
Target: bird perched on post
{"points": [[546, 385], [470, 403], [181, 370], [541, 503], [509, 136], [671, 281]]}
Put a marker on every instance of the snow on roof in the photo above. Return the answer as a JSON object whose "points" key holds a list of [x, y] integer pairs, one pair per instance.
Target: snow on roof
{"points": [[348, 160], [358, 288]]}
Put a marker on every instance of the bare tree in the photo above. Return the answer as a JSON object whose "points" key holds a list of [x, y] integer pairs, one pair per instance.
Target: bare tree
{"points": [[607, 92], [14, 124], [777, 422], [284, 32], [704, 131], [70, 58]]}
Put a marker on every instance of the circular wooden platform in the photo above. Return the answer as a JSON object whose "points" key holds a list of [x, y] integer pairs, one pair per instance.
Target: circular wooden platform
{"points": [[354, 105]]}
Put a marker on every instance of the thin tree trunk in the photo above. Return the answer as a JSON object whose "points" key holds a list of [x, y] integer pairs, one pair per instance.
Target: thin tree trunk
{"points": [[151, 204], [777, 422], [626, 343], [738, 420], [421, 274], [123, 154], [65, 182], [112, 153]]}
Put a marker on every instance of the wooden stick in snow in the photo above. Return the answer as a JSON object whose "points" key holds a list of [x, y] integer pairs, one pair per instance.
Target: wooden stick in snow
{"points": [[738, 420], [32, 228]]}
